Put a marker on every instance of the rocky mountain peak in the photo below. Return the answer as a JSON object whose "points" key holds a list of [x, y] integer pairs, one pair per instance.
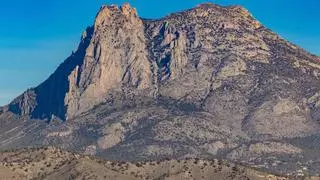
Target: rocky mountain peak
{"points": [[207, 5], [128, 10], [218, 8], [234, 13], [113, 11]]}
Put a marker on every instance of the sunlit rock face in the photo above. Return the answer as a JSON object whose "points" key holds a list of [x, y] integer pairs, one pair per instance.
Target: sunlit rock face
{"points": [[116, 58]]}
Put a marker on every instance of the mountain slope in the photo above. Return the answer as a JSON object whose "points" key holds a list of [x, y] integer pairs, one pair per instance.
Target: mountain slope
{"points": [[209, 81]]}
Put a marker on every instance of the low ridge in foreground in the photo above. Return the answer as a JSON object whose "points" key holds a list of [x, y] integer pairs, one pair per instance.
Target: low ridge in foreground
{"points": [[51, 163]]}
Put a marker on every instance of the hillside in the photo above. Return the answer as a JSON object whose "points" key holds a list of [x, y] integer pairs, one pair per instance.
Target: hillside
{"points": [[52, 163]]}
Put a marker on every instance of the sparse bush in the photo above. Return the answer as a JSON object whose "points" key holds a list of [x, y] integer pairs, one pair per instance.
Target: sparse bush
{"points": [[235, 168], [138, 165], [205, 164]]}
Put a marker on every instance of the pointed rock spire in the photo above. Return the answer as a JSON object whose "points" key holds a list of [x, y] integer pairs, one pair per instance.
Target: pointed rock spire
{"points": [[107, 12]]}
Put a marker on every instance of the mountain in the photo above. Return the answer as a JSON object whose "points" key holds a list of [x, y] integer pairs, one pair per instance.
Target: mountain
{"points": [[206, 82]]}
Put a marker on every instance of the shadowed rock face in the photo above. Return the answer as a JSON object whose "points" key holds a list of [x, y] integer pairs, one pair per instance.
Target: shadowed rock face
{"points": [[209, 81], [48, 98]]}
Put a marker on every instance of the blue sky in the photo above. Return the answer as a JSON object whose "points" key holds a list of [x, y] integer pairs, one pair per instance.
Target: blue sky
{"points": [[37, 35]]}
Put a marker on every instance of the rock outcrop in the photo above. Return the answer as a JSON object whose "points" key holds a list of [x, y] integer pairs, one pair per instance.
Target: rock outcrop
{"points": [[116, 58]]}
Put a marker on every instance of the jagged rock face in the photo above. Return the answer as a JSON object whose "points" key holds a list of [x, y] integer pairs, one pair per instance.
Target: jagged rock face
{"points": [[115, 58]]}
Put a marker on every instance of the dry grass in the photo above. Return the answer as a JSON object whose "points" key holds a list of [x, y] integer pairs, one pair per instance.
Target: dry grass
{"points": [[52, 163]]}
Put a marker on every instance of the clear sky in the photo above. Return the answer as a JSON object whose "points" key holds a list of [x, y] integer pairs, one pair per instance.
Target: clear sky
{"points": [[37, 35]]}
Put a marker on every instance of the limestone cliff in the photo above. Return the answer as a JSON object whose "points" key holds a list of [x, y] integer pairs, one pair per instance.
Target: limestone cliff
{"points": [[116, 58]]}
